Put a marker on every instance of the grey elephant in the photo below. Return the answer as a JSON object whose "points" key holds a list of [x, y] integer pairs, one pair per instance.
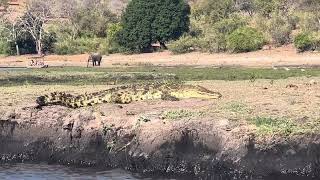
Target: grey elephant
{"points": [[96, 59]]}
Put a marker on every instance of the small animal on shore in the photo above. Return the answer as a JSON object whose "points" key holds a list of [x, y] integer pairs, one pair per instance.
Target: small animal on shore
{"points": [[128, 94], [96, 59]]}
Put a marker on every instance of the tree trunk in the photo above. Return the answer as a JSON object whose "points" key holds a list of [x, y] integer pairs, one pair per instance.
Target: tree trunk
{"points": [[17, 49], [39, 47]]}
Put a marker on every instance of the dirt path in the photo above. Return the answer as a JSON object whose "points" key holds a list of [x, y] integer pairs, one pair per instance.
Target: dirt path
{"points": [[283, 56]]}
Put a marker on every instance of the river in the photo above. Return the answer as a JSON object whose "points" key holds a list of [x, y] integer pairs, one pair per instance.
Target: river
{"points": [[56, 172]]}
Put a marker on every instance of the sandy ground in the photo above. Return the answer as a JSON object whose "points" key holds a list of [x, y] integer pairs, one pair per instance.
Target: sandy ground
{"points": [[283, 56]]}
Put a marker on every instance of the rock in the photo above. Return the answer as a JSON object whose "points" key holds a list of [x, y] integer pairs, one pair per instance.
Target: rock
{"points": [[9, 115]]}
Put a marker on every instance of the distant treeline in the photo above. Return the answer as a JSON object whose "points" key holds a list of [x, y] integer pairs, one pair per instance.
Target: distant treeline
{"points": [[82, 26]]}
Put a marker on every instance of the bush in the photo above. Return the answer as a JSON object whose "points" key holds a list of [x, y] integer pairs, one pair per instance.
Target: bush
{"points": [[212, 42], [316, 40], [80, 46], [245, 39], [303, 42], [48, 42], [213, 10], [93, 20], [5, 48], [309, 22], [103, 48], [184, 45], [112, 34], [214, 38], [280, 30]]}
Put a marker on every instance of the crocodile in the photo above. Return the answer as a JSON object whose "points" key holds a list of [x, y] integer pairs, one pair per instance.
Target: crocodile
{"points": [[129, 93]]}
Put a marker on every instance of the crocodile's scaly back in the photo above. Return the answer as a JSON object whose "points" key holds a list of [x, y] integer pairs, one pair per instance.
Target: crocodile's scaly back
{"points": [[128, 94]]}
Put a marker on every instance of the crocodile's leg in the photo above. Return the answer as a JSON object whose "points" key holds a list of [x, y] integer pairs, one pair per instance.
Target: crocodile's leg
{"points": [[168, 97]]}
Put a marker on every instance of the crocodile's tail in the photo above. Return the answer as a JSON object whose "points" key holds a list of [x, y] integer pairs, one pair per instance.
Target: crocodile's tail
{"points": [[54, 98], [69, 100]]}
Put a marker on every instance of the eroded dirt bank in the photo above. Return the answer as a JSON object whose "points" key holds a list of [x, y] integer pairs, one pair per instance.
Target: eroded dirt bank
{"points": [[142, 138]]}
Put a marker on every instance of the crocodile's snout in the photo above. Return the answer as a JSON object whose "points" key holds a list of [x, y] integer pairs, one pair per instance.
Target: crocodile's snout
{"points": [[41, 100]]}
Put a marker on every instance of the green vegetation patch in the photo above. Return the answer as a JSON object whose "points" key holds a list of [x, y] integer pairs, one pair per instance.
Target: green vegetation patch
{"points": [[181, 114], [284, 126], [87, 76], [245, 39], [269, 126], [237, 107]]}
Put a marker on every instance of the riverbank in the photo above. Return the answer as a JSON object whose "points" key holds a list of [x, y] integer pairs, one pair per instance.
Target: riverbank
{"points": [[285, 56], [260, 127]]}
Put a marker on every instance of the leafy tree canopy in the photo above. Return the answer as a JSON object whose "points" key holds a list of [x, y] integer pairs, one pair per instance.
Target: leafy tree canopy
{"points": [[147, 21]]}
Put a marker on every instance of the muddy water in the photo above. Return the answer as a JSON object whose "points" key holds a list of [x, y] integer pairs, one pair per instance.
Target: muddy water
{"points": [[55, 172]]}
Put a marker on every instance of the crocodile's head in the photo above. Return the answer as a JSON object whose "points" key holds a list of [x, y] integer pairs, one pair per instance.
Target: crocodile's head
{"points": [[189, 91]]}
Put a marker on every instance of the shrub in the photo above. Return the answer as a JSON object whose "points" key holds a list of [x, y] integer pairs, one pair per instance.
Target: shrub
{"points": [[213, 10], [93, 20], [48, 42], [214, 38], [309, 22], [112, 34], [5, 48], [227, 26], [280, 30], [303, 42], [184, 45], [212, 42], [316, 40], [103, 47], [245, 39], [220, 31], [80, 46]]}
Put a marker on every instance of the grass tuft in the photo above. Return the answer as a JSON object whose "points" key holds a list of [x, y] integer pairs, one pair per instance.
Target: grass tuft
{"points": [[181, 114], [271, 126]]}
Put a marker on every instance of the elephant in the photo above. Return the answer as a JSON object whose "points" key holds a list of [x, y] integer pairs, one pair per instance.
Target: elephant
{"points": [[96, 59]]}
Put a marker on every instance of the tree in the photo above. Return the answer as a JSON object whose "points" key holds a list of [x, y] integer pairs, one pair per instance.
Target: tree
{"points": [[93, 20], [136, 22], [33, 21], [10, 29], [147, 21], [171, 20]]}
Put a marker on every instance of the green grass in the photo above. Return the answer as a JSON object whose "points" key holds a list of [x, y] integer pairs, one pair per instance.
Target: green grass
{"points": [[86, 76], [237, 107], [283, 126], [181, 114], [268, 126]]}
